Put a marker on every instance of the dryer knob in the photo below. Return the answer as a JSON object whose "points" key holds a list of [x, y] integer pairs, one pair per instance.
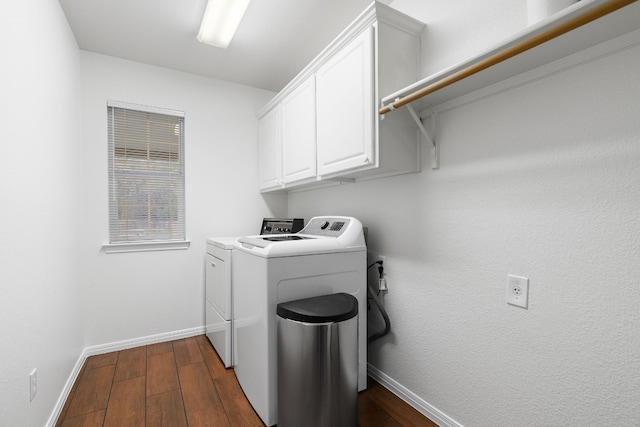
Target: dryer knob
{"points": [[324, 225]]}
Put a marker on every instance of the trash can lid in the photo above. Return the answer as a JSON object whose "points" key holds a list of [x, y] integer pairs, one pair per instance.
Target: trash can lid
{"points": [[322, 309]]}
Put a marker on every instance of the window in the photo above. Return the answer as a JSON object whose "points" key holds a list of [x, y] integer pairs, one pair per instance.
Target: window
{"points": [[146, 177]]}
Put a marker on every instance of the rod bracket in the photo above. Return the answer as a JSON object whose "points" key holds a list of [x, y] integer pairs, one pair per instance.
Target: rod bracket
{"points": [[435, 154]]}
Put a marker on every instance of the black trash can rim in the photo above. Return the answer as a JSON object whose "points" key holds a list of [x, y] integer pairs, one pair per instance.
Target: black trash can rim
{"points": [[322, 309]]}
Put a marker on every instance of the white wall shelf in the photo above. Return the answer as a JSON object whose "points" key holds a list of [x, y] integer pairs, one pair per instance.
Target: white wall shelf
{"points": [[545, 42]]}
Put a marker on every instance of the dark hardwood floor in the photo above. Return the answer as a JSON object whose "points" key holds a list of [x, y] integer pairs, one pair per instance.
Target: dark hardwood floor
{"points": [[183, 383]]}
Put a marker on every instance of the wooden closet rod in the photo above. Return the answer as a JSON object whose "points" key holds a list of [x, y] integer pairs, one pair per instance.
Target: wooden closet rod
{"points": [[565, 27]]}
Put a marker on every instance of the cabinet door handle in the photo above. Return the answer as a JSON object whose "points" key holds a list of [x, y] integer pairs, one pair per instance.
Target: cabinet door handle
{"points": [[213, 264], [366, 160]]}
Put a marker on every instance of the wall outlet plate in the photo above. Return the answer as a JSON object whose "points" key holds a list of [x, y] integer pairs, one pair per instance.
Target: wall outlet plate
{"points": [[517, 291]]}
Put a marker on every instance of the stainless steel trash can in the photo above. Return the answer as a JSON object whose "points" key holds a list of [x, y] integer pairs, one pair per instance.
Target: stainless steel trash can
{"points": [[318, 362]]}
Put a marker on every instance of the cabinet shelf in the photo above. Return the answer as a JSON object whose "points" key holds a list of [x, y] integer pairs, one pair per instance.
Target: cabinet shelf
{"points": [[582, 25]]}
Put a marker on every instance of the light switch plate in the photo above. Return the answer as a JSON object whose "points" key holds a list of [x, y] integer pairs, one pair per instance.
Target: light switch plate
{"points": [[33, 384], [517, 291]]}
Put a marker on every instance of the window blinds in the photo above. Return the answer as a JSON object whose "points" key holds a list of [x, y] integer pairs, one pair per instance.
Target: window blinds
{"points": [[146, 174]]}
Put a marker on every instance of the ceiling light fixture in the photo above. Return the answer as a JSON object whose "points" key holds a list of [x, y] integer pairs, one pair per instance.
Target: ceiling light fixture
{"points": [[220, 21]]}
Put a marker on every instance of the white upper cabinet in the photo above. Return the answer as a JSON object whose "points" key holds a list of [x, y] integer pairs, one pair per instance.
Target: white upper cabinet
{"points": [[269, 150], [345, 99], [329, 128], [298, 111]]}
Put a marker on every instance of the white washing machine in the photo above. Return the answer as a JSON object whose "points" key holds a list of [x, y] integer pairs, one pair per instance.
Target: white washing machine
{"points": [[328, 256]]}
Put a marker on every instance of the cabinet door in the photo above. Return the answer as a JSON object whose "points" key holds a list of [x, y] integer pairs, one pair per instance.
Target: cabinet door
{"points": [[345, 108], [270, 150], [299, 133]]}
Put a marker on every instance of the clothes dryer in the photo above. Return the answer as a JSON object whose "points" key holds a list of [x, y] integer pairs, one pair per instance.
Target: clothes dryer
{"points": [[219, 284], [218, 296]]}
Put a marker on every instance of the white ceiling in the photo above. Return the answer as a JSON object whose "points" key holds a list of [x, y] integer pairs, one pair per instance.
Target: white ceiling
{"points": [[276, 38]]}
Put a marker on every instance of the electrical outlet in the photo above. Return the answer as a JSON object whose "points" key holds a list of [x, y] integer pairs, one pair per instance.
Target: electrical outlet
{"points": [[382, 281], [517, 291], [33, 384], [374, 271]]}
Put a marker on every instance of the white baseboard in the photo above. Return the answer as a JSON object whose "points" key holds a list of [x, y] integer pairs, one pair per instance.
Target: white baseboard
{"points": [[426, 409], [107, 348], [57, 409], [138, 342]]}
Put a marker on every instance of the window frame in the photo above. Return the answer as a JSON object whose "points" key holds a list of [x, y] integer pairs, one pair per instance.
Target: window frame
{"points": [[132, 245]]}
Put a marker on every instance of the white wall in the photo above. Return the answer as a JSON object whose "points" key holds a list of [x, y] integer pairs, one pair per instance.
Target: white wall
{"points": [[61, 294], [134, 295], [540, 181], [40, 323], [458, 29]]}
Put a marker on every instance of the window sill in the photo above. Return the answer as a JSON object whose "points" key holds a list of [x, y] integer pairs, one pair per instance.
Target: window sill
{"points": [[112, 248]]}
